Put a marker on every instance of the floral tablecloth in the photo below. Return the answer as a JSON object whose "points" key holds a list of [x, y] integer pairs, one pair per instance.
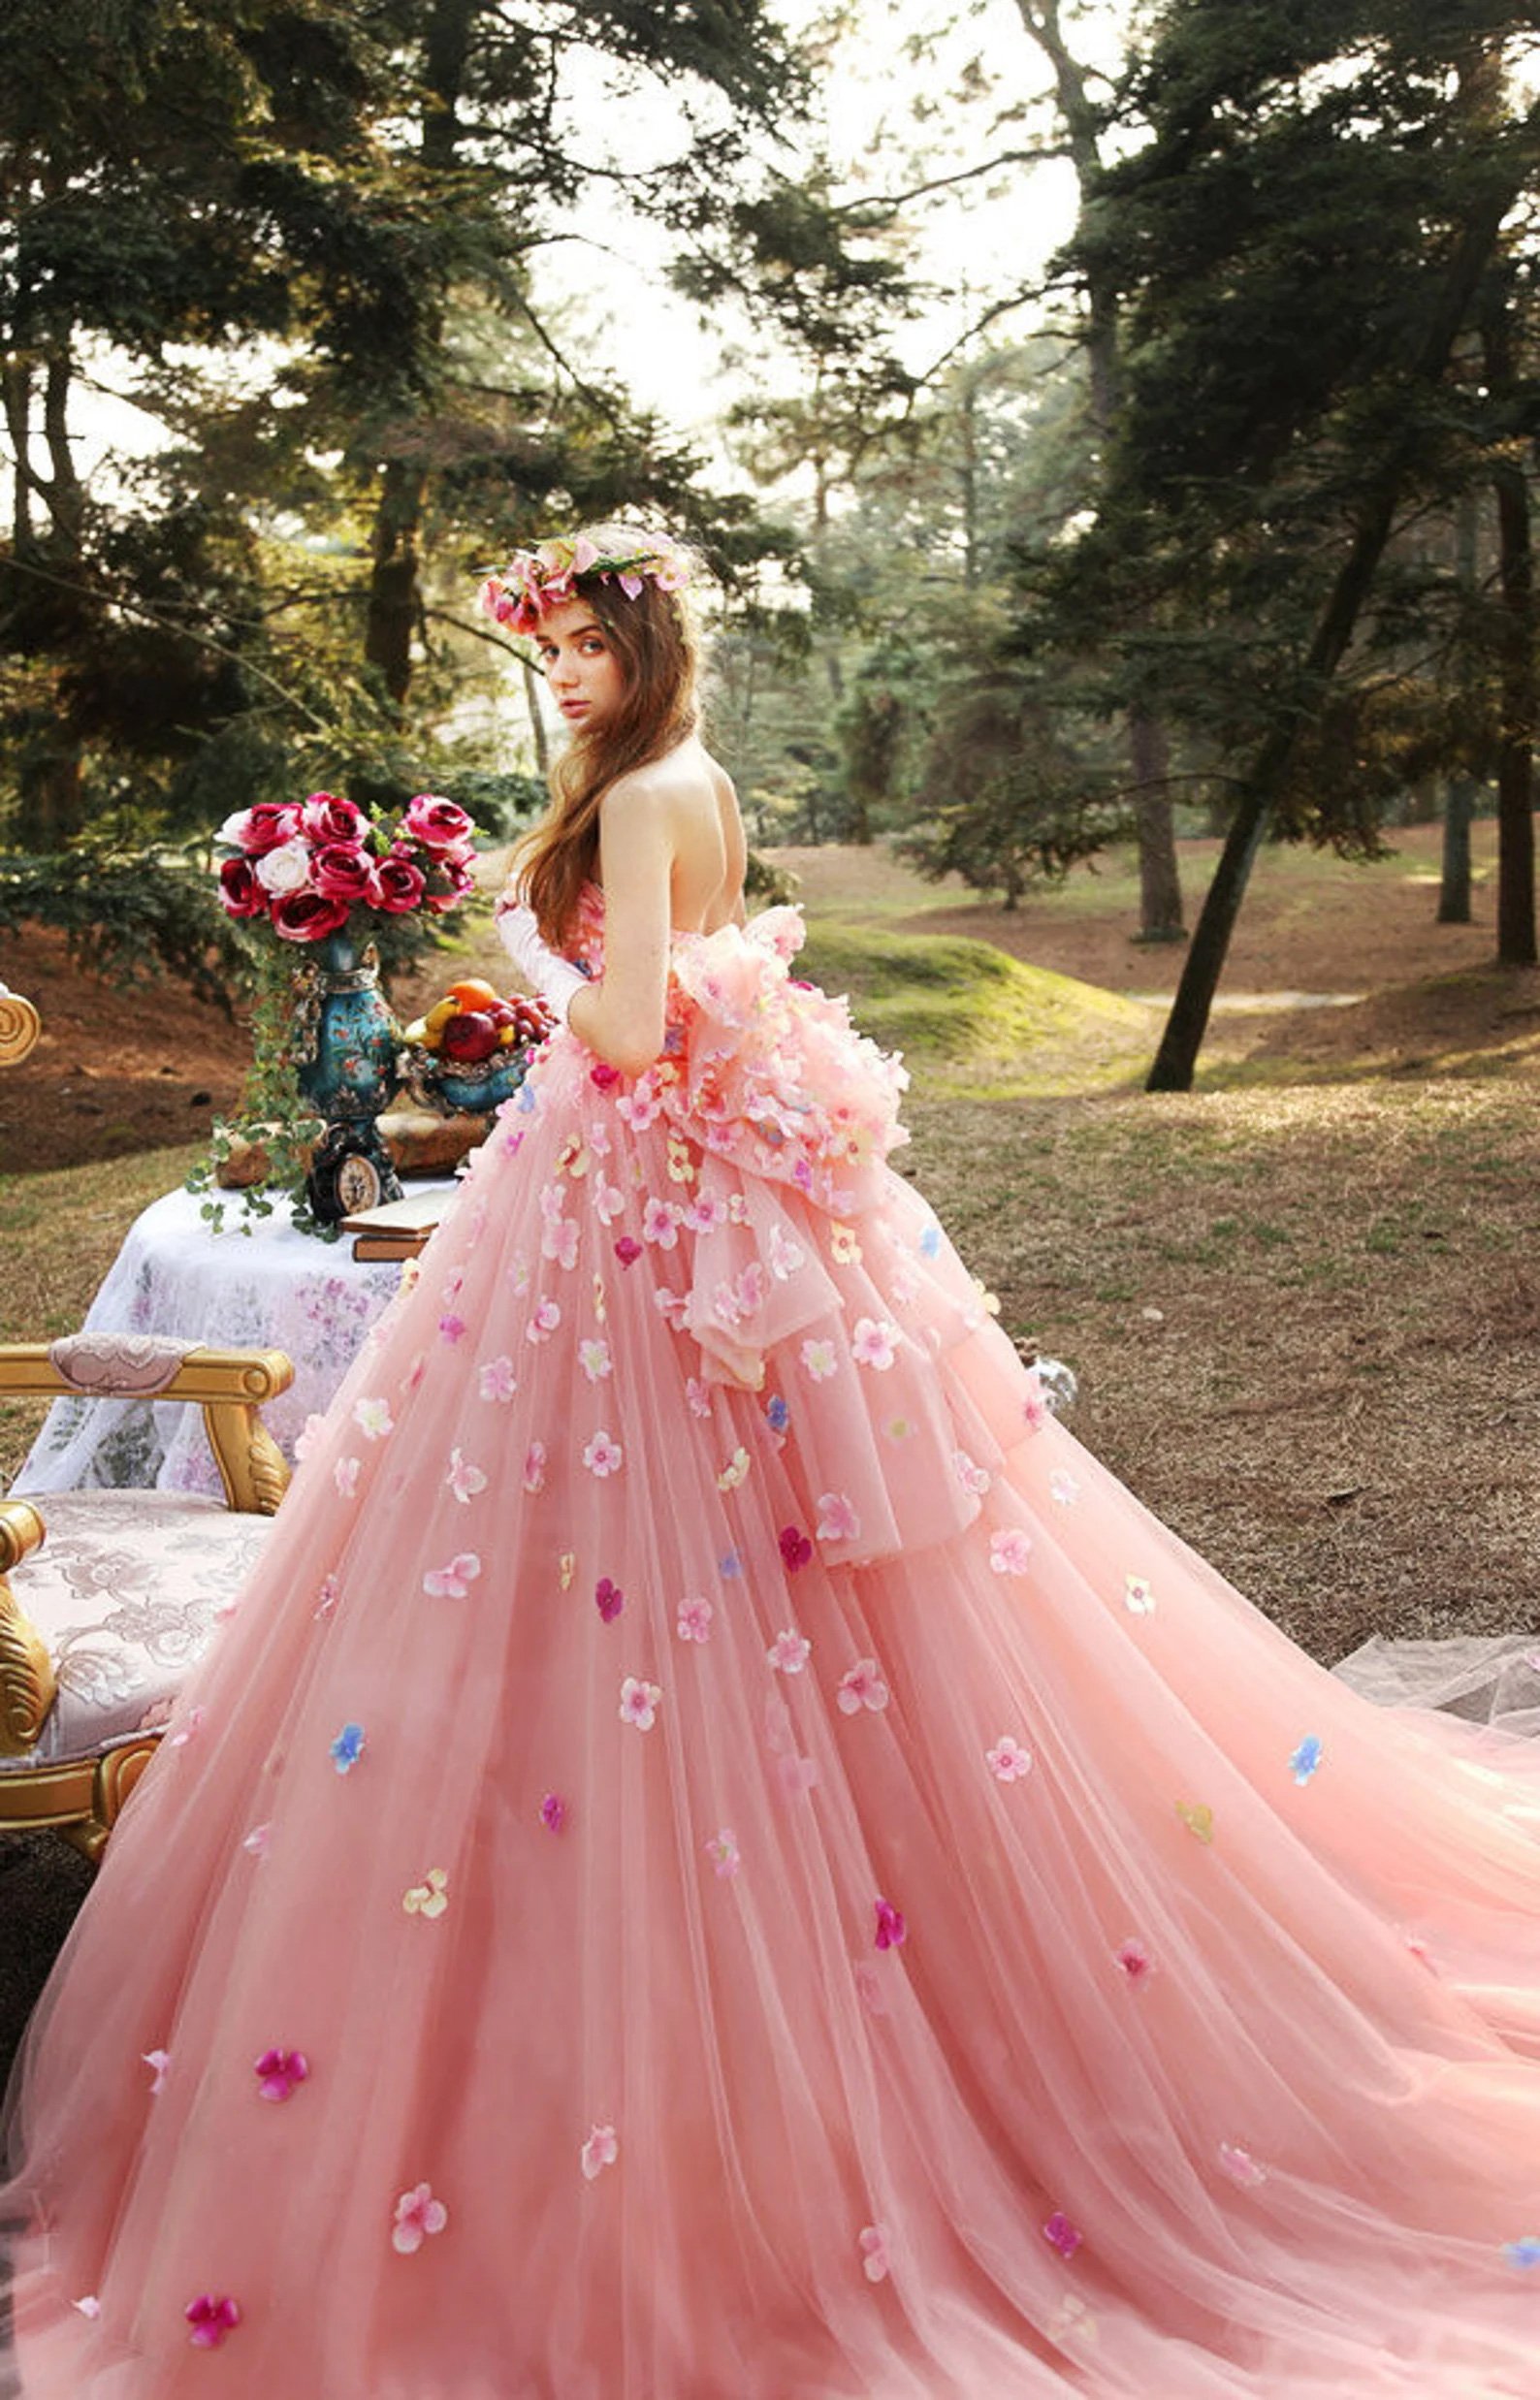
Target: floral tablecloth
{"points": [[273, 1286]]}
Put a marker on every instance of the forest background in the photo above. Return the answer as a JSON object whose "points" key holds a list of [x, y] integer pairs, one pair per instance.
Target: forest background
{"points": [[1119, 423]]}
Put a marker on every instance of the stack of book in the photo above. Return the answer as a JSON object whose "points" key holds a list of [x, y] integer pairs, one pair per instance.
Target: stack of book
{"points": [[398, 1229]]}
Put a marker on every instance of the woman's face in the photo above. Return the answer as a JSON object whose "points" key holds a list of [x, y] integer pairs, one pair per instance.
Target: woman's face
{"points": [[587, 680]]}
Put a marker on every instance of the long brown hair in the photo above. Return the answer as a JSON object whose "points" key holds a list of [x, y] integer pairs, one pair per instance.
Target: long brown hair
{"points": [[654, 637]]}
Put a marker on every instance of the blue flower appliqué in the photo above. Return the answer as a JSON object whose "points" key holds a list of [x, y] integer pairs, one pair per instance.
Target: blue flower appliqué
{"points": [[1525, 2253], [1303, 1761], [777, 1413], [347, 1748], [930, 1241]]}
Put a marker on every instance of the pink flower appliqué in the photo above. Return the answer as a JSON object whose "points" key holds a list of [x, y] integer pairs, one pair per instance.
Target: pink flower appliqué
{"points": [[837, 1521], [639, 1703], [1139, 1597], [211, 2316], [452, 1582], [871, 1343], [1035, 1407], [157, 2060], [972, 1478], [344, 1474], [891, 1929], [373, 1418], [872, 2243], [560, 1242], [450, 1328], [601, 1456], [820, 1360], [1010, 1552], [495, 1378], [534, 1467], [788, 1653], [1240, 2166], [463, 1480], [1135, 1961], [1009, 1761], [861, 1687], [279, 2073], [593, 1357], [1061, 2235], [608, 1599], [553, 1812], [417, 2216], [601, 2150], [698, 1396], [258, 1842], [543, 1324], [694, 1620], [327, 1598], [796, 1550], [660, 1224], [723, 1853]]}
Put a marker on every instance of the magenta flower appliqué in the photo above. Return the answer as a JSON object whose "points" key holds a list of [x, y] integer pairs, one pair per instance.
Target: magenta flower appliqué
{"points": [[608, 1599], [450, 1328], [417, 2216], [1061, 2235], [796, 1550], [279, 2073], [601, 2150], [534, 1467], [211, 2316], [553, 1812], [1135, 1961], [627, 1250], [891, 1929]]}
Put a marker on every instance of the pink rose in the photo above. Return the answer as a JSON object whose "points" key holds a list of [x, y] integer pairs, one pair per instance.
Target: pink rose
{"points": [[309, 917], [326, 818], [239, 892], [437, 824], [344, 871], [265, 825], [401, 885]]}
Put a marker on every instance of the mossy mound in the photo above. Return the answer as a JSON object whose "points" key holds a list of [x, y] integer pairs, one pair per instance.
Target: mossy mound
{"points": [[969, 1019]]}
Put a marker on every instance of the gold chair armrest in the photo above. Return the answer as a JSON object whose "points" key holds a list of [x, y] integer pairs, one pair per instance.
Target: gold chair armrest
{"points": [[27, 1672], [230, 1386]]}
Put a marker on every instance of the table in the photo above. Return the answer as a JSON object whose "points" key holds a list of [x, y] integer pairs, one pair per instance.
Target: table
{"points": [[274, 1288]]}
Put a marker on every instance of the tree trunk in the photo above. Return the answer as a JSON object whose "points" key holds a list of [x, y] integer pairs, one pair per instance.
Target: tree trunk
{"points": [[395, 600], [1515, 904], [51, 807], [1454, 888], [532, 689], [1176, 1058], [1160, 889]]}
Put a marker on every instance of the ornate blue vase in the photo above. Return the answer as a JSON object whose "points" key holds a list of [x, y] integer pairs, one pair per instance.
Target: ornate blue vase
{"points": [[346, 1035]]}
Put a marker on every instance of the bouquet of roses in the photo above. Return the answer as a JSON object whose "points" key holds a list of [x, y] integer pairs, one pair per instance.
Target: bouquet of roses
{"points": [[305, 866]]}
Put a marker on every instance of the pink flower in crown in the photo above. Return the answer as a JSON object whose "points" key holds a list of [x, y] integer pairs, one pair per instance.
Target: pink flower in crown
{"points": [[1009, 1761], [534, 1467], [837, 1521], [211, 2316], [417, 2216], [698, 1396], [723, 1853], [639, 1703], [544, 1321], [1061, 2235], [861, 1687], [1135, 1961], [788, 1653], [279, 2073], [660, 1224], [891, 1929], [871, 1343], [1010, 1552], [601, 1456], [872, 2241], [694, 1620], [601, 2150], [495, 1378]]}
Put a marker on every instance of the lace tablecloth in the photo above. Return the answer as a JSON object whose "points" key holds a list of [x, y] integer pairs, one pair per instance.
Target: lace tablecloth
{"points": [[274, 1288]]}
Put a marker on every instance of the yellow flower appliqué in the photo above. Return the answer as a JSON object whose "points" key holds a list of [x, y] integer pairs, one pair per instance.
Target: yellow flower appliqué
{"points": [[735, 1470], [430, 1898]]}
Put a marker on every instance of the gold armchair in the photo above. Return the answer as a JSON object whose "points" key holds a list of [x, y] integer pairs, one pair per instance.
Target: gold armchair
{"points": [[105, 1619]]}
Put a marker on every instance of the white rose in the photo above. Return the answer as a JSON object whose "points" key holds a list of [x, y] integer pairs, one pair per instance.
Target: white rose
{"points": [[286, 869], [231, 833]]}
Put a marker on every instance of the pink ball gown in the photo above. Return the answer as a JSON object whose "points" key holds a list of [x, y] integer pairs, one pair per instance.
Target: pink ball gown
{"points": [[721, 1857]]}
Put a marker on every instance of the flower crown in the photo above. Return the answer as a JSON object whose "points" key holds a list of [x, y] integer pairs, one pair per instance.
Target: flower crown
{"points": [[545, 577]]}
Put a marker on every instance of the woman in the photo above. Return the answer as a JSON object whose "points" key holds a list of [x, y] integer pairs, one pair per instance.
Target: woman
{"points": [[722, 1854]]}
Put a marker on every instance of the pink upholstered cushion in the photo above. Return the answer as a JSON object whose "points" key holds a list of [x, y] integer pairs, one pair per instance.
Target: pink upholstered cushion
{"points": [[126, 1592]]}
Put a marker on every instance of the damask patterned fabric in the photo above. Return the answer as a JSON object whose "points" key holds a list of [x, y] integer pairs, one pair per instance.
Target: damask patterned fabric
{"points": [[125, 1591]]}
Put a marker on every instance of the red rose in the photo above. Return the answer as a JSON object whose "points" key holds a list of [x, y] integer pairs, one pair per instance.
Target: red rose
{"points": [[268, 825], [401, 885], [239, 892], [327, 820], [309, 917], [437, 824], [344, 871]]}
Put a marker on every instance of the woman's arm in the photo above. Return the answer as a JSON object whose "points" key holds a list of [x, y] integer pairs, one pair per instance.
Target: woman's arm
{"points": [[620, 1017]]}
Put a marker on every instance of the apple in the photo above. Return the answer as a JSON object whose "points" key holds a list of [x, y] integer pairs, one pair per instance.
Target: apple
{"points": [[469, 1038]]}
